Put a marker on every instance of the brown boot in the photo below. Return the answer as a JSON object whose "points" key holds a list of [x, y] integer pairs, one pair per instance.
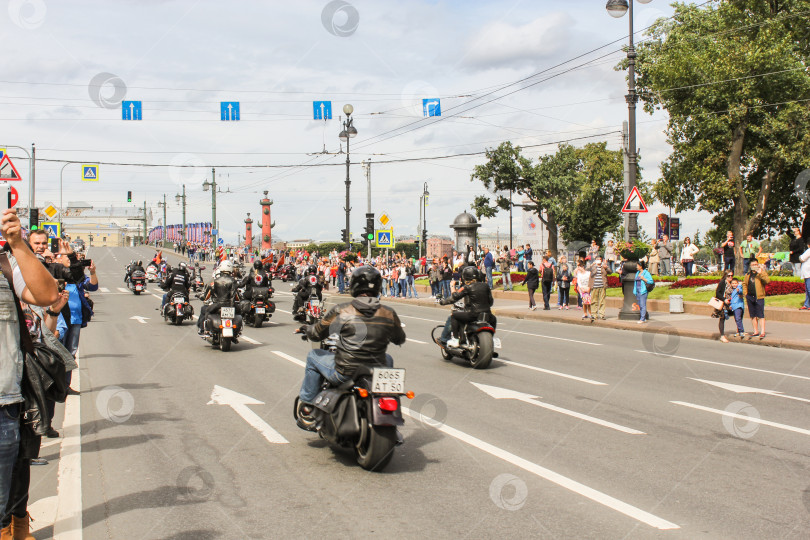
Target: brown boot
{"points": [[5, 533], [20, 527]]}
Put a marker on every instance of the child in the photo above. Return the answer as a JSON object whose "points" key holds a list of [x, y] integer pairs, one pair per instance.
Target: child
{"points": [[737, 306]]}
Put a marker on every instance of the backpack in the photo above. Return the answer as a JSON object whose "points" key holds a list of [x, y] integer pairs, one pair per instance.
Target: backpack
{"points": [[548, 273]]}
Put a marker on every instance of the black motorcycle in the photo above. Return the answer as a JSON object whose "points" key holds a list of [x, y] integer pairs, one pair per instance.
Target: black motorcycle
{"points": [[361, 414], [477, 343], [258, 309], [221, 327], [137, 282], [177, 309]]}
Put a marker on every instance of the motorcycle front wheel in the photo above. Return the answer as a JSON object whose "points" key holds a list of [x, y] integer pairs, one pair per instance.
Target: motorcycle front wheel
{"points": [[375, 446]]}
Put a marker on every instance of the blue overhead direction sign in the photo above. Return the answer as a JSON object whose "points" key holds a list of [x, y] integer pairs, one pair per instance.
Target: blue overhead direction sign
{"points": [[431, 107], [322, 110], [215, 232], [90, 173], [131, 110], [229, 110]]}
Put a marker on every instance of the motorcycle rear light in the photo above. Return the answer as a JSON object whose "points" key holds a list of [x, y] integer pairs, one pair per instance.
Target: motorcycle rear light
{"points": [[362, 392], [409, 394], [486, 328], [388, 404]]}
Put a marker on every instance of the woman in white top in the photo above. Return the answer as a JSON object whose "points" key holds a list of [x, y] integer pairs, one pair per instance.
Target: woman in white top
{"points": [[610, 255], [688, 256], [584, 289]]}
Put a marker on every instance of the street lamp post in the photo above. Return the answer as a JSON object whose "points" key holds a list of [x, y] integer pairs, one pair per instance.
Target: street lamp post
{"points": [[165, 225], [31, 185], [348, 132], [422, 229], [617, 8], [178, 198], [213, 185]]}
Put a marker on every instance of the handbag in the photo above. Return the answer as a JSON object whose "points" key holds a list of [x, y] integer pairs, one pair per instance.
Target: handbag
{"points": [[716, 303]]}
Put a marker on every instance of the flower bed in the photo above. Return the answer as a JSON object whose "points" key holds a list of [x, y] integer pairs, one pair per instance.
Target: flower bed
{"points": [[775, 288]]}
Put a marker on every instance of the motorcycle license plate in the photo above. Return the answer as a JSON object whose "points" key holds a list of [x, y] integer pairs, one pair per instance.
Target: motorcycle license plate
{"points": [[496, 342], [388, 381], [314, 303], [179, 309], [227, 332], [259, 311], [139, 287], [227, 312]]}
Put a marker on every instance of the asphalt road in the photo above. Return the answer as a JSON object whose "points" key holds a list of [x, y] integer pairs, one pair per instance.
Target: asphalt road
{"points": [[573, 433]]}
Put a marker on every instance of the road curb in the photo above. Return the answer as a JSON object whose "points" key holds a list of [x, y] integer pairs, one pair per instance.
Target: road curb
{"points": [[652, 327]]}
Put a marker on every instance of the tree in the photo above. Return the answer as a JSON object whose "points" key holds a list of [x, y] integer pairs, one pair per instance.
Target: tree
{"points": [[731, 76], [578, 189]]}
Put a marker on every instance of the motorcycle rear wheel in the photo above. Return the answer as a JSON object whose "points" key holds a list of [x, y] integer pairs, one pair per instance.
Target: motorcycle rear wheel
{"points": [[486, 346], [137, 292], [225, 344], [375, 447], [257, 321]]}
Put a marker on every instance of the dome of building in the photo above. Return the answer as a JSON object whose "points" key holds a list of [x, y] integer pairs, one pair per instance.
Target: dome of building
{"points": [[465, 220]]}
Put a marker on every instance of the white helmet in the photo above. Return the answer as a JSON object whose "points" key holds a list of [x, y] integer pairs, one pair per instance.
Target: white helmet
{"points": [[226, 267]]}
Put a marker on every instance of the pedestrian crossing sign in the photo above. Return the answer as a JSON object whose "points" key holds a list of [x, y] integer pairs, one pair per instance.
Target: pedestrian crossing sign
{"points": [[54, 230], [384, 238], [90, 173]]}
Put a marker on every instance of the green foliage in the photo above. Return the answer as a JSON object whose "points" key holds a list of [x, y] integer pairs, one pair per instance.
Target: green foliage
{"points": [[731, 76]]}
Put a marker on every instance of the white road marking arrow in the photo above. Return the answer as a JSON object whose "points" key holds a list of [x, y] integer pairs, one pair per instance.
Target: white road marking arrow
{"points": [[239, 402], [504, 393], [140, 319], [748, 389]]}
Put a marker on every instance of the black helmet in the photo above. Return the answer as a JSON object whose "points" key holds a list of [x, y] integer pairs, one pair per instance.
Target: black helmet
{"points": [[365, 280], [312, 270], [257, 264], [140, 263], [469, 274]]}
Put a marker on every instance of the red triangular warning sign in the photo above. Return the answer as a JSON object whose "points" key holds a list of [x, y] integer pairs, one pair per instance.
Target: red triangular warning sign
{"points": [[7, 169], [634, 203]]}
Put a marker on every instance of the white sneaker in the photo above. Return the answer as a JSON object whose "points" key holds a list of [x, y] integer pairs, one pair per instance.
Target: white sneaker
{"points": [[452, 342]]}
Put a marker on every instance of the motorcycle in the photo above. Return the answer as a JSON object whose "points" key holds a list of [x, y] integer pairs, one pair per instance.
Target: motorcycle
{"points": [[177, 309], [151, 273], [137, 282], [198, 283], [258, 309], [221, 327], [362, 414], [477, 342], [288, 273]]}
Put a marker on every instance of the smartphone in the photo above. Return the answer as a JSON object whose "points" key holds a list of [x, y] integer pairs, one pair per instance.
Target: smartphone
{"points": [[5, 197], [86, 262], [54, 245], [61, 283]]}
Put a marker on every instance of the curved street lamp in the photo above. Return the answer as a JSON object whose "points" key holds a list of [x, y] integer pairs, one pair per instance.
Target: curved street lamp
{"points": [[349, 132]]}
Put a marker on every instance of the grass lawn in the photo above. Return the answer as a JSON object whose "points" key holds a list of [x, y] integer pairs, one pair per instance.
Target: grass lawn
{"points": [[689, 295]]}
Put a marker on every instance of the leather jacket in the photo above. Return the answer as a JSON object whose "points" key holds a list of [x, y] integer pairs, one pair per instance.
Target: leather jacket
{"points": [[249, 282], [365, 328], [477, 297], [177, 281], [223, 290]]}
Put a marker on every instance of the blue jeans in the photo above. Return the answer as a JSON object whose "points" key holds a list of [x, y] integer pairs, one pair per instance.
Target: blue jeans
{"points": [[746, 264], [320, 366], [434, 288], [447, 332], [729, 264], [687, 267], [738, 318], [403, 286], [489, 276], [807, 293], [9, 447], [641, 300], [72, 338], [445, 287], [412, 288], [341, 282]]}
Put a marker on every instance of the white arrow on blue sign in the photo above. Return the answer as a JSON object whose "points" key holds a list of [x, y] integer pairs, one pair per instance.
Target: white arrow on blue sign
{"points": [[431, 107], [229, 110], [322, 110], [221, 241], [131, 110]]}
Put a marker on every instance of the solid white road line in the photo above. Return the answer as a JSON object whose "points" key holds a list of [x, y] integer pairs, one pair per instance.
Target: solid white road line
{"points": [[556, 373], [744, 417], [542, 472], [68, 523], [727, 365], [416, 341]]}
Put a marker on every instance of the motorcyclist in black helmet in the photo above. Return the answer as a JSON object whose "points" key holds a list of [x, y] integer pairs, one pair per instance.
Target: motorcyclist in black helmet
{"points": [[257, 278], [177, 281], [477, 298], [303, 290], [364, 327], [222, 292]]}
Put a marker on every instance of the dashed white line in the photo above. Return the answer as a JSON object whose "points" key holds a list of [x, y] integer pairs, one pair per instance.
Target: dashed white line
{"points": [[250, 340], [121, 289], [744, 417], [104, 289], [555, 373], [416, 341]]}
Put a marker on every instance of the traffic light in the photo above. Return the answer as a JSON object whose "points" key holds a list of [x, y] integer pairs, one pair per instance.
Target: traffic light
{"points": [[33, 219], [344, 236], [424, 237], [370, 226], [129, 196]]}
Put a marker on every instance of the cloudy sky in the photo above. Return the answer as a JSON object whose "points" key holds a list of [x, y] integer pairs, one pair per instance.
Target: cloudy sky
{"points": [[182, 58]]}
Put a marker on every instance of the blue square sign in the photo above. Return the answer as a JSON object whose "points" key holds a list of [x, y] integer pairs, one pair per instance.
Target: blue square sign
{"points": [[431, 107]]}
